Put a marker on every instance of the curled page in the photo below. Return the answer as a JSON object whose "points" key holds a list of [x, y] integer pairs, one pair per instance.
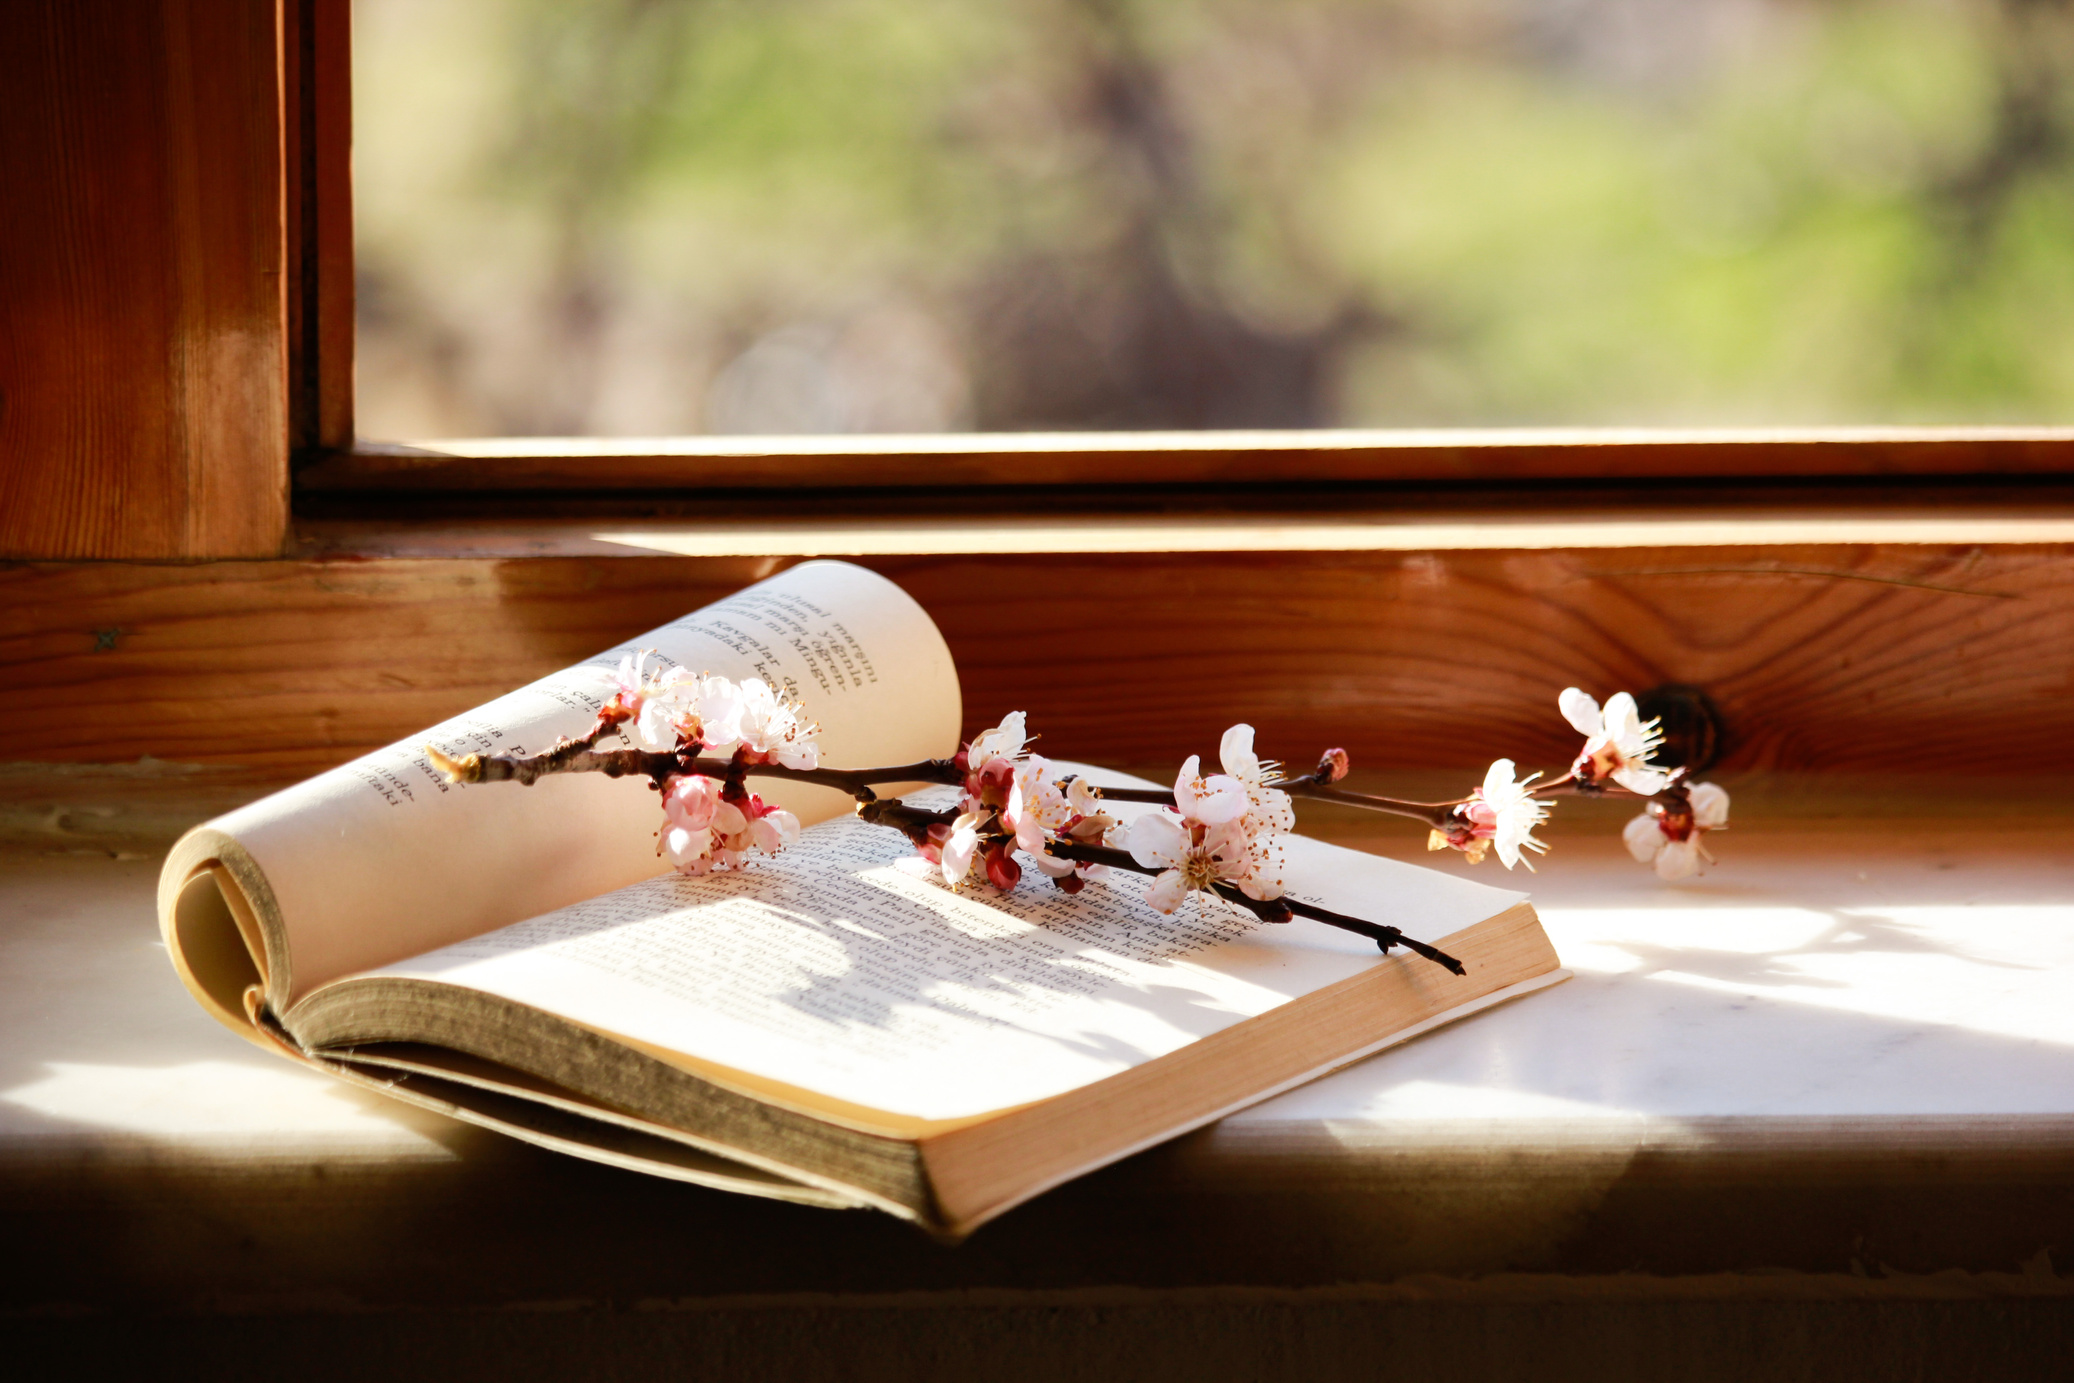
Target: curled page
{"points": [[382, 858]]}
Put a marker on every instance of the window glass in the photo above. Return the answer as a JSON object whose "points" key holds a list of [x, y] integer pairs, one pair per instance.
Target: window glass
{"points": [[678, 216]]}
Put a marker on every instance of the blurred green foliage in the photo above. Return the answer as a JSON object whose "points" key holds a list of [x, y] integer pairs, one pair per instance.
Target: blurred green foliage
{"points": [[631, 216]]}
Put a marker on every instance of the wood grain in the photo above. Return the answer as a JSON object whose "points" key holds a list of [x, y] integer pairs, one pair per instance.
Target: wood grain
{"points": [[1946, 658], [1201, 458], [142, 353]]}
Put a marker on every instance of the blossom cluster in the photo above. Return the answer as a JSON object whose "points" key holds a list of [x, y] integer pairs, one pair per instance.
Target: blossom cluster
{"points": [[1014, 805], [1220, 833], [1222, 828], [709, 822], [1619, 748], [678, 709], [1010, 799]]}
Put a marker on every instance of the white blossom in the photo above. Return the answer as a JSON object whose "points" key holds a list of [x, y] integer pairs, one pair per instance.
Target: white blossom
{"points": [[1505, 813], [1269, 810], [1213, 800], [1037, 804], [691, 710], [961, 847], [1618, 742], [775, 729], [1004, 741], [1671, 840], [1189, 856]]}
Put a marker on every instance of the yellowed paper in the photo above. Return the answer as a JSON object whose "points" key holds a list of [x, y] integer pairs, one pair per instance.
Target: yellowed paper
{"points": [[833, 969]]}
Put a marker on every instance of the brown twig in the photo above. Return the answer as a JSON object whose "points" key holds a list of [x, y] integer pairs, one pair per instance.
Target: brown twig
{"points": [[914, 822], [658, 766], [1267, 910], [1434, 814]]}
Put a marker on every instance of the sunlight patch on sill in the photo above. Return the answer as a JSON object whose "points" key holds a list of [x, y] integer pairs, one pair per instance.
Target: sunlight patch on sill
{"points": [[211, 1100], [2002, 970]]}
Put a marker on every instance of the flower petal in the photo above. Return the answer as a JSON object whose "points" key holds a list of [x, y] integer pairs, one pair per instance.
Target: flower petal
{"points": [[687, 847], [1156, 839], [1644, 837], [957, 854], [1236, 753], [656, 724], [1222, 799], [1184, 785], [1166, 891], [1679, 859], [1623, 717], [1648, 782], [1581, 711], [1709, 806]]}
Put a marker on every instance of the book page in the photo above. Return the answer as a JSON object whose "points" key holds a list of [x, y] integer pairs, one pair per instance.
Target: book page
{"points": [[383, 858], [834, 969]]}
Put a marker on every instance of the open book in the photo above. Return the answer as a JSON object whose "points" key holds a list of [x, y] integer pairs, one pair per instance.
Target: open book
{"points": [[822, 1026]]}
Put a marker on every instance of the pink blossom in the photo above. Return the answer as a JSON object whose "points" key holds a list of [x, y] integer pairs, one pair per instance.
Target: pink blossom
{"points": [[690, 801], [709, 823], [775, 829]]}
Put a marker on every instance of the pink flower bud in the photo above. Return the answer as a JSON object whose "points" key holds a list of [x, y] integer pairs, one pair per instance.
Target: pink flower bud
{"points": [[1333, 766], [1002, 870], [690, 801]]}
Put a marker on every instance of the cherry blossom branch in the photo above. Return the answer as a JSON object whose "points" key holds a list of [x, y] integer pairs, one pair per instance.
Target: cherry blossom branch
{"points": [[914, 822], [659, 765], [1433, 814], [1218, 833]]}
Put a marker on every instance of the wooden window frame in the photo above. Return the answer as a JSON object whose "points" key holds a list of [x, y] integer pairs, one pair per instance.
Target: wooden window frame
{"points": [[1204, 465], [210, 429]]}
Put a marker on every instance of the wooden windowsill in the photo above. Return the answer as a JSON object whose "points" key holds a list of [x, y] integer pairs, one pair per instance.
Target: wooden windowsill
{"points": [[1842, 1053]]}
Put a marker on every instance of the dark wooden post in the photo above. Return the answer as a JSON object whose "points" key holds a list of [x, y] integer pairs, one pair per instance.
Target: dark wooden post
{"points": [[144, 349]]}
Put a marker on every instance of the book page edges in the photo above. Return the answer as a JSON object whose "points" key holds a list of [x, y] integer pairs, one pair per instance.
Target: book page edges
{"points": [[592, 1133], [222, 929], [984, 1170]]}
